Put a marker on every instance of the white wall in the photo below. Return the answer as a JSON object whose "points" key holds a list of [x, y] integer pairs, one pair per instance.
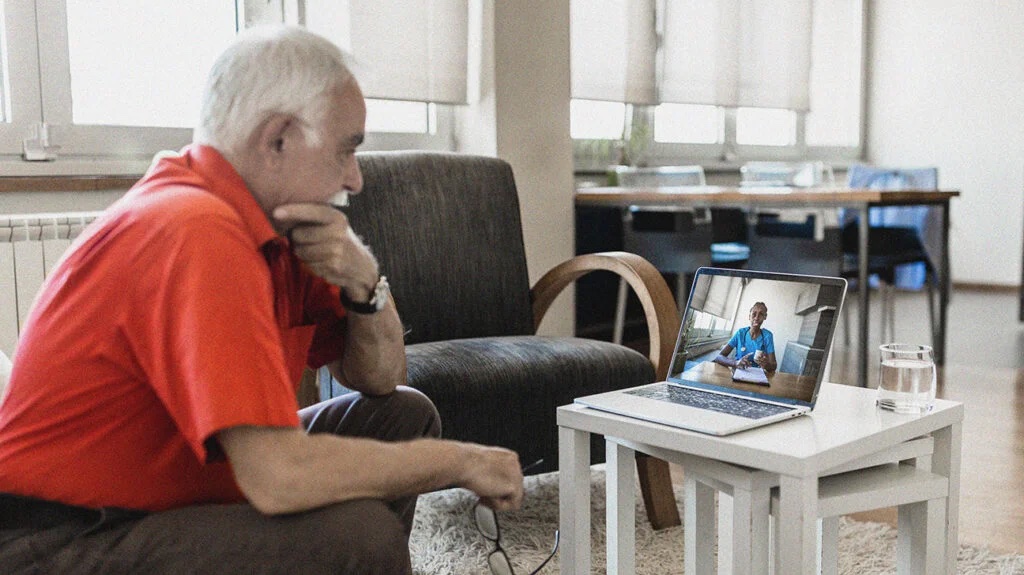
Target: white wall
{"points": [[522, 116], [946, 88]]}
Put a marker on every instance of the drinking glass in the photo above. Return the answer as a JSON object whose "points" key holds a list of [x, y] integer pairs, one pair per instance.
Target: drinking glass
{"points": [[906, 380]]}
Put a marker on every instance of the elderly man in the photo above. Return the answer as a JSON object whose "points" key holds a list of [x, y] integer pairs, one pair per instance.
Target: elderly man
{"points": [[150, 425]]}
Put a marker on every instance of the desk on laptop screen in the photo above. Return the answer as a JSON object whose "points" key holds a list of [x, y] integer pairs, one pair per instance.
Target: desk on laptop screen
{"points": [[801, 316]]}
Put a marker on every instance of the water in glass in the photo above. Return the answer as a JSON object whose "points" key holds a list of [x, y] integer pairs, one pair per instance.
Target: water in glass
{"points": [[906, 380]]}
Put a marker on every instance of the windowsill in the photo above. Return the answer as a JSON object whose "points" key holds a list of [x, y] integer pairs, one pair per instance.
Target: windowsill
{"points": [[68, 169], [65, 183]]}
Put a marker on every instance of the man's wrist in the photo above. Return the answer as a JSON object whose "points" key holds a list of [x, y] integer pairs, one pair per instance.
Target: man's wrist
{"points": [[372, 301]]}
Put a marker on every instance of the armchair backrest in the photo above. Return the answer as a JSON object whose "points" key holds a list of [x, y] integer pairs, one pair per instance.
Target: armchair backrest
{"points": [[447, 232]]}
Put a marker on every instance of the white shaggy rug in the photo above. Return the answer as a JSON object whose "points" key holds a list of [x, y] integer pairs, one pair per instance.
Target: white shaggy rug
{"points": [[445, 540]]}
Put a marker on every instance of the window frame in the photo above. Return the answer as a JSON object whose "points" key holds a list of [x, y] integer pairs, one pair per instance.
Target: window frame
{"points": [[40, 91]]}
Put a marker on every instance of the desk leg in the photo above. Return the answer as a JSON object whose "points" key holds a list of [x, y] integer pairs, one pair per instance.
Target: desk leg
{"points": [[862, 295], [574, 500], [945, 280], [699, 529], [620, 511], [946, 462], [798, 525]]}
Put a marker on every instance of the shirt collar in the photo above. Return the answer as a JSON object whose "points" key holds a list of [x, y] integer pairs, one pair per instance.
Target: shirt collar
{"points": [[205, 167]]}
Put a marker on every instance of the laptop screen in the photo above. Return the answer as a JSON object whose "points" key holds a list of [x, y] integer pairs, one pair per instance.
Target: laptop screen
{"points": [[756, 333]]}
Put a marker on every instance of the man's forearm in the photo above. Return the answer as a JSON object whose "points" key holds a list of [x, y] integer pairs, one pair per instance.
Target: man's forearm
{"points": [[286, 470], [373, 361]]}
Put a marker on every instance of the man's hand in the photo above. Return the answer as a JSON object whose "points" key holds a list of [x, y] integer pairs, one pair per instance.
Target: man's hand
{"points": [[321, 237], [745, 361], [494, 474]]}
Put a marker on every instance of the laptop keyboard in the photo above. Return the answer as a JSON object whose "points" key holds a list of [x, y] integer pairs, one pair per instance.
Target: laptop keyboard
{"points": [[707, 400]]}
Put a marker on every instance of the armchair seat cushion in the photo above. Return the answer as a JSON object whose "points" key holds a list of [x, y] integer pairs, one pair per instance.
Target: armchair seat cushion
{"points": [[520, 378]]}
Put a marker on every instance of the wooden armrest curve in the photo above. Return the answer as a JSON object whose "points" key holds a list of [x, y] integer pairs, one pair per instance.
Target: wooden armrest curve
{"points": [[659, 306]]}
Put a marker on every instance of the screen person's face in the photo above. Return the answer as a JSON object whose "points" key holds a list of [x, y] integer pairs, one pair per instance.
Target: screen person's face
{"points": [[757, 316]]}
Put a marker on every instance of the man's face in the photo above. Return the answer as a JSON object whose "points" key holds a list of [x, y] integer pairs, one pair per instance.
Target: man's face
{"points": [[315, 173], [757, 315]]}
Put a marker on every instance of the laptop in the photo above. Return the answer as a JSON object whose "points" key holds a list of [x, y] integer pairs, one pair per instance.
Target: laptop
{"points": [[709, 389]]}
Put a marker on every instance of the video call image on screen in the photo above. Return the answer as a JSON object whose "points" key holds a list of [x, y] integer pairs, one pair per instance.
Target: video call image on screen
{"points": [[795, 316]]}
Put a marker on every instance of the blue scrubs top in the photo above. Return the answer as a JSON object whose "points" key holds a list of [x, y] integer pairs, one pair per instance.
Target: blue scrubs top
{"points": [[743, 344]]}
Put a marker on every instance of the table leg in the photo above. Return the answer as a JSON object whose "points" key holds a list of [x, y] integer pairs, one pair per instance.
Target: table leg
{"points": [[797, 527], [743, 532], [920, 545], [829, 543], [862, 295], [699, 529], [574, 500], [620, 508], [946, 462]]}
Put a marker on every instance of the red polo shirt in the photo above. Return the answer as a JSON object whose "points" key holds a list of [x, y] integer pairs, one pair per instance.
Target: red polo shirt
{"points": [[177, 314]]}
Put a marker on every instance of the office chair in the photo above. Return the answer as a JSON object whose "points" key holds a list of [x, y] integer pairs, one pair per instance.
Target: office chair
{"points": [[675, 240], [897, 255], [796, 241]]}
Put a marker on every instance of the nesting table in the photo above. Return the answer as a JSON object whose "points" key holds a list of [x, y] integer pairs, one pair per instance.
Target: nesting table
{"points": [[795, 461]]}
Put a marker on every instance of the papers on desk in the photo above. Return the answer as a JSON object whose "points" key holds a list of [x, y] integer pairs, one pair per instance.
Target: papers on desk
{"points": [[726, 361], [752, 374]]}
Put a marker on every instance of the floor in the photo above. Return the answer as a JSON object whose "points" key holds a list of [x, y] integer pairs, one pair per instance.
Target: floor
{"points": [[984, 370]]}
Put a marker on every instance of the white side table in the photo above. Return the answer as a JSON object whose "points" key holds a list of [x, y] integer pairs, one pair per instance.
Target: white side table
{"points": [[844, 429]]}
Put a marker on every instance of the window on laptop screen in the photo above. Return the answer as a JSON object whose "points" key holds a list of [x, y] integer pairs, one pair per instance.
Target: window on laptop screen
{"points": [[782, 326]]}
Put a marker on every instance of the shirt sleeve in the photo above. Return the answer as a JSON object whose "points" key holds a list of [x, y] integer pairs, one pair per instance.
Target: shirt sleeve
{"points": [[212, 351], [769, 342], [735, 343]]}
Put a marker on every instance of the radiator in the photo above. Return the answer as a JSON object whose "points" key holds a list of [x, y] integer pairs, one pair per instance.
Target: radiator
{"points": [[30, 247]]}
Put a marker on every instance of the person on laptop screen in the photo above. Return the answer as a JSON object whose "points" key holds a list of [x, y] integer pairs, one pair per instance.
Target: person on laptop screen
{"points": [[747, 341]]}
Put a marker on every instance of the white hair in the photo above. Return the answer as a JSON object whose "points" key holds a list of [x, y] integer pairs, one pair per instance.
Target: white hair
{"points": [[269, 70]]}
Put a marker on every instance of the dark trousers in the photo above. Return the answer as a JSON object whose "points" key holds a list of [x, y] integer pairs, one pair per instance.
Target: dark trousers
{"points": [[353, 537]]}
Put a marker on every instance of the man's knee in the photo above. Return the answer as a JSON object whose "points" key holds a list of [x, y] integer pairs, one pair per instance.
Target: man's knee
{"points": [[360, 538], [418, 407]]}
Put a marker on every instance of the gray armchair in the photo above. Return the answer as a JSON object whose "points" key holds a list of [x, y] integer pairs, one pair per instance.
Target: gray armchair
{"points": [[446, 229]]}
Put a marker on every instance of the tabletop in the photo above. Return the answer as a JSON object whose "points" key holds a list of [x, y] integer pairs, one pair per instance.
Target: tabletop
{"points": [[845, 425], [783, 196]]}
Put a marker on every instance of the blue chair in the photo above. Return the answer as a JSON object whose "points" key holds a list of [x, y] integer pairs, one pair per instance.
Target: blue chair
{"points": [[897, 254]]}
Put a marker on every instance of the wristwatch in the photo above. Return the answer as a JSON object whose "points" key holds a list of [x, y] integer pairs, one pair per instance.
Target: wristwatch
{"points": [[378, 297]]}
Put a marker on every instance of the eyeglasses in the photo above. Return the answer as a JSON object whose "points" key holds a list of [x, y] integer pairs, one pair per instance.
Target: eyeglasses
{"points": [[497, 560]]}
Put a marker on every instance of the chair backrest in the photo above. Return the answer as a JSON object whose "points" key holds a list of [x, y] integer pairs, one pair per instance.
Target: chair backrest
{"points": [[880, 178], [796, 174], [660, 176], [446, 230]]}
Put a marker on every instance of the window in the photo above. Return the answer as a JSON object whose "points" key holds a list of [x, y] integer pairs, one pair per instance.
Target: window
{"points": [[395, 117], [765, 127], [116, 81], [689, 124], [735, 82], [594, 120]]}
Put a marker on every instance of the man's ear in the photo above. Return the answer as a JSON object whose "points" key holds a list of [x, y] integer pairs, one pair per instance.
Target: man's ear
{"points": [[274, 136]]}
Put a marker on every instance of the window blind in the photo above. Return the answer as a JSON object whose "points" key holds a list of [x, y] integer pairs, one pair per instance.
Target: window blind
{"points": [[403, 49], [751, 53], [614, 43]]}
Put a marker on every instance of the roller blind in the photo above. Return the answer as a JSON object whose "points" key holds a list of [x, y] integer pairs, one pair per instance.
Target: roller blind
{"points": [[404, 49], [750, 53], [614, 43]]}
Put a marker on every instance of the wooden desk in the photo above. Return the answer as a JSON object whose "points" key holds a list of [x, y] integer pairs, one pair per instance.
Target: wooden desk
{"points": [[751, 198], [780, 384]]}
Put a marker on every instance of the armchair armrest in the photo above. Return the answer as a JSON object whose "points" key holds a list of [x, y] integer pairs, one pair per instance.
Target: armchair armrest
{"points": [[659, 307]]}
